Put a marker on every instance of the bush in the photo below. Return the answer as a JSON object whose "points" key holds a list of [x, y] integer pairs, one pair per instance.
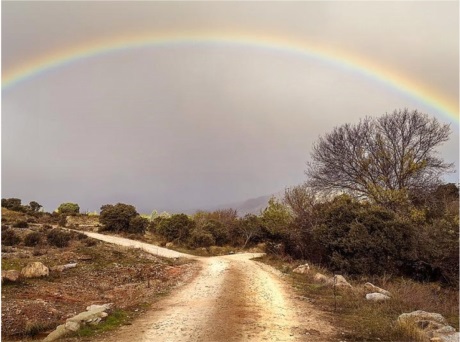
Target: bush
{"points": [[176, 228], [21, 224], [117, 218], [81, 236], [90, 242], [438, 252], [218, 232], [69, 209], [12, 204], [364, 239], [32, 239], [138, 225], [62, 221], [58, 238], [201, 238], [10, 238]]}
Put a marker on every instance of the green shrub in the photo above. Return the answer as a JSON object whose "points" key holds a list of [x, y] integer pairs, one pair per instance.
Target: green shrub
{"points": [[69, 209], [138, 225], [21, 224], [364, 239], [32, 239], [12, 204], [117, 218], [176, 228], [10, 238], [438, 252], [218, 232], [58, 238], [201, 238]]}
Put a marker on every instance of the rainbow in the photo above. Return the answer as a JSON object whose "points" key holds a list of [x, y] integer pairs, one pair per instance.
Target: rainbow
{"points": [[339, 59]]}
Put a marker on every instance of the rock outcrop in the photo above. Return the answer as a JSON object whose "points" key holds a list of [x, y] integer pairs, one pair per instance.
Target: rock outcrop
{"points": [[431, 326], [35, 270]]}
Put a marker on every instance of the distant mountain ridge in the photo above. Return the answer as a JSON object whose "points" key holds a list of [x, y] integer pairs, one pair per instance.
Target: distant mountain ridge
{"points": [[250, 206]]}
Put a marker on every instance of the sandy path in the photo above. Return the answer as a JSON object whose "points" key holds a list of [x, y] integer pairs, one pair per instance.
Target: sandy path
{"points": [[152, 249], [233, 298]]}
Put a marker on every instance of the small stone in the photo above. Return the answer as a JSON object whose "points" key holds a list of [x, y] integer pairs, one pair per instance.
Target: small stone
{"points": [[377, 297], [339, 281], [11, 275], [302, 269]]}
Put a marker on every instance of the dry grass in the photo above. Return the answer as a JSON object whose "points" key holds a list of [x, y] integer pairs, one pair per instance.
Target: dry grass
{"points": [[363, 320], [10, 216]]}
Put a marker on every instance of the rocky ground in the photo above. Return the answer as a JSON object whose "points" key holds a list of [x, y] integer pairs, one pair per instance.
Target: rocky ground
{"points": [[130, 278]]}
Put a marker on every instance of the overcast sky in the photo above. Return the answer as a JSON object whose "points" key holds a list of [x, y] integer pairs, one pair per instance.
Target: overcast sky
{"points": [[195, 125]]}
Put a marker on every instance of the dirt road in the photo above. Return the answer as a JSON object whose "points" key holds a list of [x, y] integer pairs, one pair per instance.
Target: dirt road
{"points": [[233, 298]]}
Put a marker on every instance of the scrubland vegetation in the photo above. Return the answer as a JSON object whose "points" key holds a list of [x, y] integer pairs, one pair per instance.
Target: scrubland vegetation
{"points": [[373, 209]]}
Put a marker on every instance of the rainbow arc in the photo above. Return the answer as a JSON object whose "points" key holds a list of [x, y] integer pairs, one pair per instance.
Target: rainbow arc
{"points": [[338, 59]]}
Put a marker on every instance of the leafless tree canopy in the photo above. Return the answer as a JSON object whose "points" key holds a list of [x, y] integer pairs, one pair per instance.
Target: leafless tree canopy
{"points": [[379, 156]]}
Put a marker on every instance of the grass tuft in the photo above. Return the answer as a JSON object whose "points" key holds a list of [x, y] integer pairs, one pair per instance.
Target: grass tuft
{"points": [[114, 320], [34, 328]]}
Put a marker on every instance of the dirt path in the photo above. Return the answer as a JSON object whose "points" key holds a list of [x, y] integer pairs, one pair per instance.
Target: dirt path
{"points": [[232, 299]]}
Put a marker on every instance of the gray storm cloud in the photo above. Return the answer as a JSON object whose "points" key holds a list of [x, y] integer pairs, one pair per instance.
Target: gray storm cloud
{"points": [[183, 127]]}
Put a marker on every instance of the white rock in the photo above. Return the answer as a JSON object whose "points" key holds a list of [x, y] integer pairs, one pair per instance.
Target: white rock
{"points": [[56, 334], [340, 281], [102, 306], [302, 269], [377, 297], [72, 325], [374, 288]]}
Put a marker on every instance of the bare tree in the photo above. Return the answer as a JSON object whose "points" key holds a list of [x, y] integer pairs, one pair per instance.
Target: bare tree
{"points": [[380, 158], [301, 199]]}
